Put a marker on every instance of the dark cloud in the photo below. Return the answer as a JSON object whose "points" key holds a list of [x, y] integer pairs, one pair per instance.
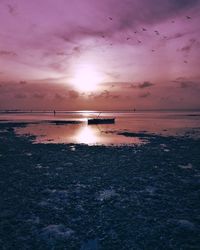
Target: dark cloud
{"points": [[145, 95], [143, 85], [38, 96], [154, 12], [7, 53], [20, 96], [192, 43], [184, 85], [11, 9], [73, 94], [187, 83], [22, 82], [125, 15], [76, 32], [176, 36], [104, 95], [115, 96], [58, 67], [60, 97]]}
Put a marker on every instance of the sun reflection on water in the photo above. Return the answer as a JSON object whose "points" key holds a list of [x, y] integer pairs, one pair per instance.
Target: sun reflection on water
{"points": [[87, 135]]}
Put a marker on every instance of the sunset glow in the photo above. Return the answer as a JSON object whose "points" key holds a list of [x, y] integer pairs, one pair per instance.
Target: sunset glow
{"points": [[86, 78], [99, 55]]}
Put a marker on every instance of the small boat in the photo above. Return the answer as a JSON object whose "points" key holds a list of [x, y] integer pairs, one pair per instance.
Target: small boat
{"points": [[101, 121]]}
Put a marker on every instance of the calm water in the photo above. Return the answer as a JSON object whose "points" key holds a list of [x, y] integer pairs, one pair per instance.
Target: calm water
{"points": [[166, 123]]}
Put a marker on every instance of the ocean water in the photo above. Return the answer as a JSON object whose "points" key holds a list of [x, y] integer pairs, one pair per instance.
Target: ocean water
{"points": [[41, 125]]}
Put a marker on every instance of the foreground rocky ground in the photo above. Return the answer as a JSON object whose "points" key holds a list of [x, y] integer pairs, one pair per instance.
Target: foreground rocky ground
{"points": [[58, 196]]}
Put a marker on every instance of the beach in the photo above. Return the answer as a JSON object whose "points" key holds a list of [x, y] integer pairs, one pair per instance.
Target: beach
{"points": [[79, 196]]}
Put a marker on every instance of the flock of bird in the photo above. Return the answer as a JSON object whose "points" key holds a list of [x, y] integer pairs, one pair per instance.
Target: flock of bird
{"points": [[156, 32]]}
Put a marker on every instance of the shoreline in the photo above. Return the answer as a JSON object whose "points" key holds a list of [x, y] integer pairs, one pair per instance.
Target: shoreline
{"points": [[74, 196]]}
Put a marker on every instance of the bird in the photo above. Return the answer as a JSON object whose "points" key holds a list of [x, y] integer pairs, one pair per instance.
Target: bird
{"points": [[153, 50], [157, 33], [185, 61], [110, 18], [128, 38], [139, 41], [188, 17], [135, 32], [172, 21], [143, 29]]}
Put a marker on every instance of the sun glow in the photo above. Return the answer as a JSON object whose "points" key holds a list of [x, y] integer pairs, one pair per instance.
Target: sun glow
{"points": [[87, 135], [86, 78]]}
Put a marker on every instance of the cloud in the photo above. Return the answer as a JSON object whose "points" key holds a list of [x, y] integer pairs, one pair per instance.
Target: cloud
{"points": [[143, 85], [73, 94], [105, 19], [184, 82], [145, 95], [124, 11], [104, 95], [22, 82], [176, 36], [60, 97], [11, 9], [38, 96], [7, 53], [192, 43], [20, 96]]}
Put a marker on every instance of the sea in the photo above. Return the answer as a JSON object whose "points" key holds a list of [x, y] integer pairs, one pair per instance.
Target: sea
{"points": [[72, 127]]}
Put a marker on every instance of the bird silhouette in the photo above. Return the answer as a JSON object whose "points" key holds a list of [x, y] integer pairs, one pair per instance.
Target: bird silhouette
{"points": [[172, 21], [185, 61], [157, 33], [110, 18], [188, 17], [143, 29], [139, 41], [128, 38]]}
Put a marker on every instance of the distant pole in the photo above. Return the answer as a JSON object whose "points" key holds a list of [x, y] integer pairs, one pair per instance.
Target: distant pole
{"points": [[54, 112]]}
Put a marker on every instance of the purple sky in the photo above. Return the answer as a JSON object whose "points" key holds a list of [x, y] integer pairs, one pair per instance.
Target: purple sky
{"points": [[146, 54]]}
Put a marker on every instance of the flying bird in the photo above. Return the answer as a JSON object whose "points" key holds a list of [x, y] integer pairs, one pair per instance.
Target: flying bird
{"points": [[128, 38], [188, 17], [143, 29], [139, 41], [157, 33], [110, 18], [185, 61], [153, 50], [172, 21]]}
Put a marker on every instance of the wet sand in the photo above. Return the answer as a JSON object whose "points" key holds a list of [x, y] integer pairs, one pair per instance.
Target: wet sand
{"points": [[73, 196]]}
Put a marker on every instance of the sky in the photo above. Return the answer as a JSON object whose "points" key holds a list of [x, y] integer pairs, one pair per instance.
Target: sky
{"points": [[99, 55]]}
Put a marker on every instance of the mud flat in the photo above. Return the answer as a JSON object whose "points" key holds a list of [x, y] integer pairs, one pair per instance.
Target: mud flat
{"points": [[73, 196]]}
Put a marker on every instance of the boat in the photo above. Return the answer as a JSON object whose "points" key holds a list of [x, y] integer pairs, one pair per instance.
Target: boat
{"points": [[101, 121]]}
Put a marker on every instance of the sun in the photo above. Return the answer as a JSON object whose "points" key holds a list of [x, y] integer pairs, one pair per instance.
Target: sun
{"points": [[86, 78]]}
